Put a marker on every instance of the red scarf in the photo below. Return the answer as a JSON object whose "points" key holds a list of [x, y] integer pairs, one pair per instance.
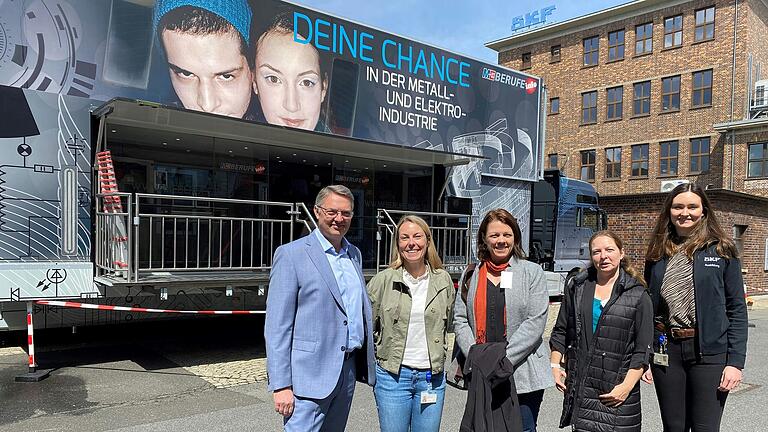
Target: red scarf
{"points": [[481, 296]]}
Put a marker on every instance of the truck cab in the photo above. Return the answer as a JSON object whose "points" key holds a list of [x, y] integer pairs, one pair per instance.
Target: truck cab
{"points": [[564, 215]]}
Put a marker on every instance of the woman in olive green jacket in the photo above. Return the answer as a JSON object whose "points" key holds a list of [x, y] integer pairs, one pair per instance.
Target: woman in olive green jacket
{"points": [[412, 308]]}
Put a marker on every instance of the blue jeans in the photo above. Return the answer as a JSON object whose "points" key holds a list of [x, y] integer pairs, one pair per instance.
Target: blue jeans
{"points": [[398, 398], [529, 408]]}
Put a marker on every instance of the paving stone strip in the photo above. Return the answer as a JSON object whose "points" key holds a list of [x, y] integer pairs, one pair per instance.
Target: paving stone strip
{"points": [[223, 368], [7, 351]]}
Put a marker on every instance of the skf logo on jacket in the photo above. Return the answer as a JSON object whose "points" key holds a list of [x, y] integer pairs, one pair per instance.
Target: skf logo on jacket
{"points": [[712, 261]]}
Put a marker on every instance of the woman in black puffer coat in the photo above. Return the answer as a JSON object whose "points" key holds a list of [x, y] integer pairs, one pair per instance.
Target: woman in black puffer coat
{"points": [[603, 337]]}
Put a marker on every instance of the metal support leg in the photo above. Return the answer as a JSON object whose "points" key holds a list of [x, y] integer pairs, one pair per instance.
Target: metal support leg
{"points": [[33, 374]]}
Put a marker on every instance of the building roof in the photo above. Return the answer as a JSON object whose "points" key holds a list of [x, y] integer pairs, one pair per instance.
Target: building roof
{"points": [[592, 20], [750, 125]]}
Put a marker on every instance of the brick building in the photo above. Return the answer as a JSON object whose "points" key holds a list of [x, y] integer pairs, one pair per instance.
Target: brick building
{"points": [[651, 93]]}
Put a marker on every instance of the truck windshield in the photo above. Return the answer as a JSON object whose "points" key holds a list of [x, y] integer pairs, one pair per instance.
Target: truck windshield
{"points": [[591, 219]]}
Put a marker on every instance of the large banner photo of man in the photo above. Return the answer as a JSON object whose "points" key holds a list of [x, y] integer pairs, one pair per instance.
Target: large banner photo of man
{"points": [[206, 44], [224, 59]]}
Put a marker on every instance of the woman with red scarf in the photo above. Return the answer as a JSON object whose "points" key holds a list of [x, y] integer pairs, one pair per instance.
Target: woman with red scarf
{"points": [[506, 302]]}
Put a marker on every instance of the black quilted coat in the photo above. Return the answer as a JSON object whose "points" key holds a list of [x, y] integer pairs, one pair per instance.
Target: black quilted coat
{"points": [[596, 363]]}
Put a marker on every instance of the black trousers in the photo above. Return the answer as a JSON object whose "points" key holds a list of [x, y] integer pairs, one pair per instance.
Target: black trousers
{"points": [[687, 389]]}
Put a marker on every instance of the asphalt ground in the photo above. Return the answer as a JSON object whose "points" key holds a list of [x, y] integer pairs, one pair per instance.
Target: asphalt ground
{"points": [[209, 375]]}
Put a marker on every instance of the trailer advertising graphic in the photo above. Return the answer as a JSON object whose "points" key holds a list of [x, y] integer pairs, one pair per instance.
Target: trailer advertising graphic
{"points": [[45, 195], [278, 63], [263, 61]]}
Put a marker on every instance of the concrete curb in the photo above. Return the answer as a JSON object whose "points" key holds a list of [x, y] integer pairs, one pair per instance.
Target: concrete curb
{"points": [[757, 302]]}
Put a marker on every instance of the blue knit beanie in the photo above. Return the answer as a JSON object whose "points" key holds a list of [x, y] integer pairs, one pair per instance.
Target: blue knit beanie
{"points": [[236, 12]]}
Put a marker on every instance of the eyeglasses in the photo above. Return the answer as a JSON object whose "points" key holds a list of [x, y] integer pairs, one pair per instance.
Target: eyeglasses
{"points": [[332, 213]]}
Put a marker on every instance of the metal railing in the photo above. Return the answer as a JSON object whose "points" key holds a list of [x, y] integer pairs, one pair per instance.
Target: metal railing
{"points": [[175, 233], [452, 234], [156, 234], [113, 246], [303, 216]]}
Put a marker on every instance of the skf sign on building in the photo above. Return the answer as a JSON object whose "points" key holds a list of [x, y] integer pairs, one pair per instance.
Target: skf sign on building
{"points": [[532, 18]]}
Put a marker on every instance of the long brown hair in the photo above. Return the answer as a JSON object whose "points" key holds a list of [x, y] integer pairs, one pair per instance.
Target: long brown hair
{"points": [[625, 264], [430, 257], [506, 218], [665, 242]]}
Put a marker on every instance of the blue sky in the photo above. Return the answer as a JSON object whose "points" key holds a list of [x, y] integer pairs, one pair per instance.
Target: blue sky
{"points": [[460, 26]]}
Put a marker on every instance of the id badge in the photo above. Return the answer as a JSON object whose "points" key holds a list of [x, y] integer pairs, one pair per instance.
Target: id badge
{"points": [[506, 280], [661, 359], [428, 397]]}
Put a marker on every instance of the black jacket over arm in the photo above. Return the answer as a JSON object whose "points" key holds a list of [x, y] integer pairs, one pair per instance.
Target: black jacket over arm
{"points": [[492, 404]]}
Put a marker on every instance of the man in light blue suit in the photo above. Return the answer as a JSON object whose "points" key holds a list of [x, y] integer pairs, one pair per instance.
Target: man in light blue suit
{"points": [[318, 331]]}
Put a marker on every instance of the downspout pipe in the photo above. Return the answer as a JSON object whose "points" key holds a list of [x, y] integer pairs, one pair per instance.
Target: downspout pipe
{"points": [[733, 93]]}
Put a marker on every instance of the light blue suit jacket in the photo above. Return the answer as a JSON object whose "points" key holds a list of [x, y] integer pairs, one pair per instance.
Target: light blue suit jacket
{"points": [[306, 325]]}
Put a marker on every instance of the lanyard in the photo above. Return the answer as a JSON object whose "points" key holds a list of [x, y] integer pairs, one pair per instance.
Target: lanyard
{"points": [[662, 344]]}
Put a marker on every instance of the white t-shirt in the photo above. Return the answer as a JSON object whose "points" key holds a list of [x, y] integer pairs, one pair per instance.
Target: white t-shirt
{"points": [[416, 354]]}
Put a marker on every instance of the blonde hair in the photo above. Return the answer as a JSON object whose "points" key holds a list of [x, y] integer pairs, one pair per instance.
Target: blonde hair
{"points": [[430, 257]]}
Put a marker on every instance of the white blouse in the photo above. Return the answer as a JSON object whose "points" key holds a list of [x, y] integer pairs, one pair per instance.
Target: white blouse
{"points": [[416, 354]]}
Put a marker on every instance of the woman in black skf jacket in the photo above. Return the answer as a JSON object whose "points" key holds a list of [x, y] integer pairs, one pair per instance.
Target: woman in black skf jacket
{"points": [[603, 337], [694, 278]]}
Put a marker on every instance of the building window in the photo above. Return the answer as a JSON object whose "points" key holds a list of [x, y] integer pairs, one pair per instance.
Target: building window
{"points": [[699, 155], [738, 237], [642, 98], [616, 45], [758, 160], [668, 152], [526, 59], [591, 48], [554, 54], [613, 163], [705, 24], [670, 93], [760, 96], [644, 39], [702, 88], [552, 160], [640, 160], [587, 165], [673, 31], [589, 107], [554, 105], [615, 102]]}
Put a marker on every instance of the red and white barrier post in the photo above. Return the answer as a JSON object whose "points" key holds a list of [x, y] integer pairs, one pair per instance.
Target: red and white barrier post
{"points": [[31, 339], [36, 375], [33, 374]]}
